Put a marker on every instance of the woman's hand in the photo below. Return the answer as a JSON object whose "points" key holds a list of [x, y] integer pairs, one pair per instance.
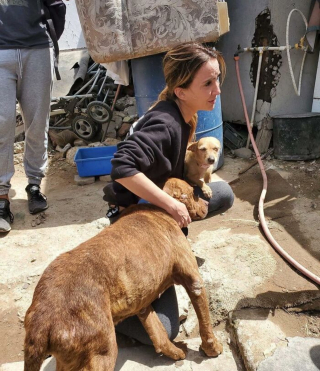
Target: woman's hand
{"points": [[179, 212], [143, 187]]}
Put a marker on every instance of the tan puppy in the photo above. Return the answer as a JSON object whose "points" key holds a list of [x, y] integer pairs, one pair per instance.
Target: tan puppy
{"points": [[199, 163], [85, 292]]}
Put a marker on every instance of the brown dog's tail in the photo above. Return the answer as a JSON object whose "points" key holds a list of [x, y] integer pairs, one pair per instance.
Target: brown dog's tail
{"points": [[35, 347]]}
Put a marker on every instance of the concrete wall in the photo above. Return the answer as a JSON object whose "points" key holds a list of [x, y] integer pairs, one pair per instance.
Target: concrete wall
{"points": [[72, 37], [72, 45], [242, 16]]}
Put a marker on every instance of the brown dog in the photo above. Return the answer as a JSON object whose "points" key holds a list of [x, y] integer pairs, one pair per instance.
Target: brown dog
{"points": [[118, 273], [199, 163], [183, 192]]}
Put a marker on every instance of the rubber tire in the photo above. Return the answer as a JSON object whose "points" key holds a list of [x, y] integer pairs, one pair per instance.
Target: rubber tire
{"points": [[105, 107], [81, 132]]}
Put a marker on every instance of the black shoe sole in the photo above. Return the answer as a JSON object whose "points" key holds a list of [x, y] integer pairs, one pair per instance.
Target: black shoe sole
{"points": [[37, 211], [5, 231]]}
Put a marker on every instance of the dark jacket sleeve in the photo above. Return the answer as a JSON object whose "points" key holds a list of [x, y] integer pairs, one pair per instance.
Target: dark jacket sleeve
{"points": [[147, 150], [57, 10]]}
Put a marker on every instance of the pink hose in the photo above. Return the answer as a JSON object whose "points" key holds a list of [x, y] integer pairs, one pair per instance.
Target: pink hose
{"points": [[265, 228]]}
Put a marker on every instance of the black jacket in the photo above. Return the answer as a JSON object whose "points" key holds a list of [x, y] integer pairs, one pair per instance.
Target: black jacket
{"points": [[156, 148]]}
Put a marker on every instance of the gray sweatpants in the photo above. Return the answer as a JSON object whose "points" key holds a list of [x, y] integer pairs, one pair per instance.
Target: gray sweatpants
{"points": [[25, 75]]}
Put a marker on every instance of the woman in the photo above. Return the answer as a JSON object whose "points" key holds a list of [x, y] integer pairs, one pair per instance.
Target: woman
{"points": [[156, 151]]}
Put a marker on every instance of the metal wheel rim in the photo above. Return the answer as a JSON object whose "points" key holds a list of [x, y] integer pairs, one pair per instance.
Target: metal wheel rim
{"points": [[83, 127], [98, 112]]}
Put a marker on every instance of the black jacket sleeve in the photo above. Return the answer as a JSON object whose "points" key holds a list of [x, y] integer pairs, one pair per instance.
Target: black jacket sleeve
{"points": [[147, 150]]}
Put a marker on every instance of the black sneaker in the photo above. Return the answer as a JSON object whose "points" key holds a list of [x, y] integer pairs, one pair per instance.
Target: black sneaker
{"points": [[113, 212], [6, 216], [36, 200]]}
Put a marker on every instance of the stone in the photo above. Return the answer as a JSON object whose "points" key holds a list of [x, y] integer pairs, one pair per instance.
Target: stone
{"points": [[105, 178], [111, 142], [257, 342], [80, 143], [81, 181], [61, 138], [18, 147], [118, 113], [124, 102], [118, 121], [18, 158], [64, 149], [125, 127], [242, 152], [96, 144], [71, 154], [300, 353], [131, 111], [128, 119]]}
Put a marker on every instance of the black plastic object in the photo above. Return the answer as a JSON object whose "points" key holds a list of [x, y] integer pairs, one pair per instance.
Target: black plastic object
{"points": [[232, 139], [297, 136]]}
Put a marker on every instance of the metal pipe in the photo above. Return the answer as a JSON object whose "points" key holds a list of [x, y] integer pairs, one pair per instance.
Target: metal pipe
{"points": [[255, 94], [116, 97], [266, 48], [87, 84], [73, 96]]}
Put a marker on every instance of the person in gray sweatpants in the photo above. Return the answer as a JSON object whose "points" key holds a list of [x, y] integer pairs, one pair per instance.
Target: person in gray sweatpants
{"points": [[26, 75]]}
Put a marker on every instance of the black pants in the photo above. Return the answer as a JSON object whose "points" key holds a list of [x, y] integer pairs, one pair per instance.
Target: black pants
{"points": [[166, 308]]}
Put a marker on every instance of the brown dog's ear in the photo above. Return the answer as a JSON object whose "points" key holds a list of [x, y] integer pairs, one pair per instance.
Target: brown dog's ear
{"points": [[193, 147]]}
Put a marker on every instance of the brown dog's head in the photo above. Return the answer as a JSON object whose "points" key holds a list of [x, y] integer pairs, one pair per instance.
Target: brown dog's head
{"points": [[183, 192], [206, 150]]}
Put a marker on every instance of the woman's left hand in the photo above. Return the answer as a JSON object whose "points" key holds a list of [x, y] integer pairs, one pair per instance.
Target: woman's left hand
{"points": [[179, 212]]}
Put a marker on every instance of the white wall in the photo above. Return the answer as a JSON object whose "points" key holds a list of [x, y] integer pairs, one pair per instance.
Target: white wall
{"points": [[242, 16], [72, 37]]}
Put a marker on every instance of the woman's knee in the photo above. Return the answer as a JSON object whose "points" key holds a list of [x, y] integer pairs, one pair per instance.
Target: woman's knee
{"points": [[222, 197], [227, 195]]}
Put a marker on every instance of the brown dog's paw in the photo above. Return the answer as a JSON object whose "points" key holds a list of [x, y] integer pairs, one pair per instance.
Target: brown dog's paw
{"points": [[207, 191], [172, 351], [181, 345], [212, 348]]}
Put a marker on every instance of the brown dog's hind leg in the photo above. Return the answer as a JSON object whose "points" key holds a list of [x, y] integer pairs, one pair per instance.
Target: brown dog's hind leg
{"points": [[102, 363], [104, 359], [158, 334]]}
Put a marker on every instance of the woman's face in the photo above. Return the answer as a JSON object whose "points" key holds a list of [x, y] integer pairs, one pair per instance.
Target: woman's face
{"points": [[204, 89]]}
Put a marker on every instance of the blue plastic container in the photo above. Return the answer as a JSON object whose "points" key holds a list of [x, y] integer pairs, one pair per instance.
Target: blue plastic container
{"points": [[210, 124], [94, 161], [148, 80]]}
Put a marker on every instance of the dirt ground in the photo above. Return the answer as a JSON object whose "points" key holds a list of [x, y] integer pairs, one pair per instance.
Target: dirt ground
{"points": [[292, 210]]}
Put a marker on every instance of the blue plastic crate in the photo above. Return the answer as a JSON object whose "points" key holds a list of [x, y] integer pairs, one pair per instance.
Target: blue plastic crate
{"points": [[94, 161]]}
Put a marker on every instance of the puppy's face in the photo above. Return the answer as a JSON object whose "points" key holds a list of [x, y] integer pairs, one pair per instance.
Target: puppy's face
{"points": [[206, 151]]}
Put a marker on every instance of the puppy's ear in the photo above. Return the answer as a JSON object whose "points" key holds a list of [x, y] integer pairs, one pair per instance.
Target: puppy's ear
{"points": [[193, 146]]}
